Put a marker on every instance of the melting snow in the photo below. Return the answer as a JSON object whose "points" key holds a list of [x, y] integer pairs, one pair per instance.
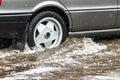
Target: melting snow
{"points": [[88, 47], [29, 51], [33, 72], [102, 78]]}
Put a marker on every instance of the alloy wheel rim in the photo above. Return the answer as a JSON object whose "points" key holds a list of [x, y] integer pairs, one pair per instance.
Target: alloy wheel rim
{"points": [[48, 33]]}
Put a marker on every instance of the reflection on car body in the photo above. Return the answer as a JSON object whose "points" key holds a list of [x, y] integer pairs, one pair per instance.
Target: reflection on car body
{"points": [[49, 22]]}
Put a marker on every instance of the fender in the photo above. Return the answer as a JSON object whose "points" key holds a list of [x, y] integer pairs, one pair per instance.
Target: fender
{"points": [[47, 4], [54, 4]]}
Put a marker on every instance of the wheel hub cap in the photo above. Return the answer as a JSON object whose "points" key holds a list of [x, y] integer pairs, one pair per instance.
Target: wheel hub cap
{"points": [[47, 35]]}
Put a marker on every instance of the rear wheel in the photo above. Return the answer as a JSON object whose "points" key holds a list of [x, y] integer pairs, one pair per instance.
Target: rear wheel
{"points": [[47, 29]]}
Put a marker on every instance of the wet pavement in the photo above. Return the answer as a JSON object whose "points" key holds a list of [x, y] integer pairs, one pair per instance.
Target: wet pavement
{"points": [[76, 59]]}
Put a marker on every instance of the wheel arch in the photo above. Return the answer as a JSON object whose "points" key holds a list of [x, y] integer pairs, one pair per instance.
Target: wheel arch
{"points": [[55, 7]]}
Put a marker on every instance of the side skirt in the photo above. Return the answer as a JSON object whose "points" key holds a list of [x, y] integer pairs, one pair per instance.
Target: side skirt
{"points": [[96, 33]]}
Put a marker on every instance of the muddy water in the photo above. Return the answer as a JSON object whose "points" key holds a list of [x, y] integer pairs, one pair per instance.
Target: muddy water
{"points": [[76, 59]]}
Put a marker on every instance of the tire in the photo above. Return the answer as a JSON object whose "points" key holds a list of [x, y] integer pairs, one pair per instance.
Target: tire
{"points": [[47, 29]]}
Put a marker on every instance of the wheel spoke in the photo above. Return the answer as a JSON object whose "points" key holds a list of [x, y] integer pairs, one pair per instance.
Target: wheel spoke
{"points": [[50, 25], [54, 35], [40, 39], [41, 28], [48, 44]]}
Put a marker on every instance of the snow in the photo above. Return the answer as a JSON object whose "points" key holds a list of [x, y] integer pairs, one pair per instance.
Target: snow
{"points": [[102, 78], [29, 51], [38, 70], [28, 74], [90, 47], [63, 57], [7, 53]]}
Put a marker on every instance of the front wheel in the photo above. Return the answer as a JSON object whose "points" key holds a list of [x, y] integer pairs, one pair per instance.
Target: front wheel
{"points": [[47, 29]]}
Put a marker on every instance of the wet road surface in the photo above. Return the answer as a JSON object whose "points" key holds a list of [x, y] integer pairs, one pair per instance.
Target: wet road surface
{"points": [[76, 59]]}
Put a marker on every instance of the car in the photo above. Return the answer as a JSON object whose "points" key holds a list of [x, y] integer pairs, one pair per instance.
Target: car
{"points": [[48, 23]]}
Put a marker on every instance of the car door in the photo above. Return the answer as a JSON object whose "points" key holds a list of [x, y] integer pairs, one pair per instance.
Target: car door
{"points": [[18, 6], [118, 20], [92, 14]]}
